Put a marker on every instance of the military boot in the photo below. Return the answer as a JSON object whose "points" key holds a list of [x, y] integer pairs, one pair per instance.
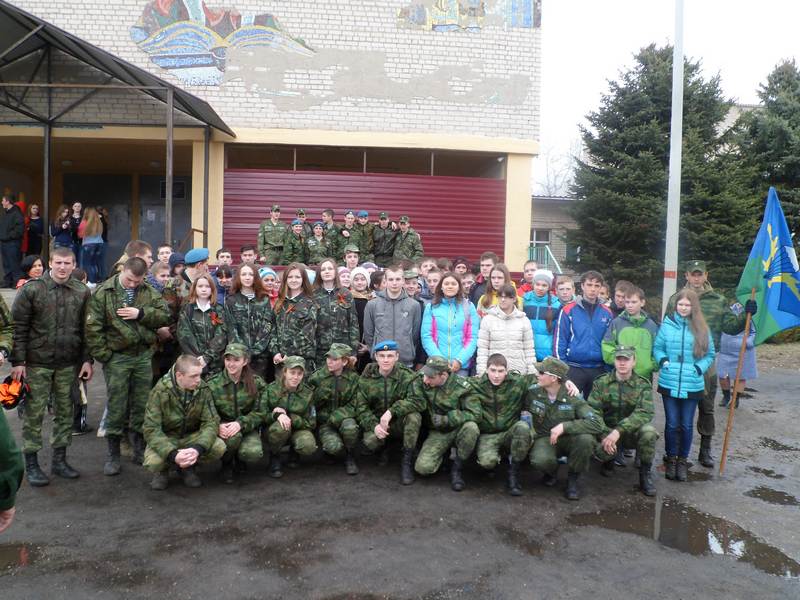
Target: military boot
{"points": [[704, 456], [138, 448], [112, 466], [406, 467], [275, 469], [350, 466], [514, 488], [646, 480], [60, 466], [33, 472], [672, 465], [190, 478], [607, 469], [682, 470], [572, 487], [456, 481], [160, 481], [226, 472]]}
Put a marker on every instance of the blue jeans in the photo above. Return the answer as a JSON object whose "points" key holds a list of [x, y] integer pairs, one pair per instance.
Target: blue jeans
{"points": [[91, 256], [678, 426]]}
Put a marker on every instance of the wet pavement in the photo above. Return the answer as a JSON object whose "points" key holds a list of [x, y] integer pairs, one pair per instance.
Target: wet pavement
{"points": [[320, 534]]}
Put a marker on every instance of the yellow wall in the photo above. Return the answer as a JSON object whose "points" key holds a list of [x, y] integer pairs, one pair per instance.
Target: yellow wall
{"points": [[518, 210]]}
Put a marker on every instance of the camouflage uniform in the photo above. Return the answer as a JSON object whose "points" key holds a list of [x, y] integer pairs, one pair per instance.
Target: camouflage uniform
{"points": [[316, 250], [203, 333], [251, 323], [334, 402], [6, 329], [299, 407], [460, 412], [49, 341], [233, 403], [125, 347], [376, 394], [339, 241], [366, 243], [176, 418], [626, 406], [175, 295], [296, 330], [408, 246], [294, 249], [270, 241], [337, 320], [383, 241]]}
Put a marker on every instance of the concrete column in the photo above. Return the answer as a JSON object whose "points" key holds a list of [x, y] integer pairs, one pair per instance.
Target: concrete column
{"points": [[518, 210]]}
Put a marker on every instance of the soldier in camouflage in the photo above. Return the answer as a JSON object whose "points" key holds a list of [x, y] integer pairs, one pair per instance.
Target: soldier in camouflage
{"points": [[408, 244], [347, 234], [317, 246], [335, 386], [271, 234], [365, 228], [450, 413], [201, 325], [294, 249], [308, 229], [49, 351], [562, 426], [383, 240], [625, 402], [121, 322], [180, 425], [337, 320], [295, 332]]}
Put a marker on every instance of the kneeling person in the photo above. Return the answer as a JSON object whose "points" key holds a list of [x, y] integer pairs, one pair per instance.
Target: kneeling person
{"points": [[180, 424]]}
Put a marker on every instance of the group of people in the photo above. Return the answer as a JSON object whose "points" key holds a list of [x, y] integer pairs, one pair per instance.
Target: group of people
{"points": [[203, 365]]}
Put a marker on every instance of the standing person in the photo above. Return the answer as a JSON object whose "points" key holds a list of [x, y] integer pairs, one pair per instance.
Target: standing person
{"points": [[294, 244], [75, 218], [467, 281], [59, 228], [224, 257], [728, 362], [317, 246], [35, 230], [393, 315], [542, 308], [247, 254], [271, 235], [90, 232], [121, 322], [365, 228], [32, 268], [565, 289], [432, 280], [330, 229], [579, 334], [307, 227], [12, 228], [337, 320], [505, 330], [163, 252], [383, 240], [408, 244], [50, 351], [103, 212], [528, 270], [633, 329], [223, 279], [351, 256], [359, 289], [621, 289], [450, 326], [346, 234], [486, 263], [461, 266], [201, 325], [684, 350], [158, 276], [269, 279], [295, 320], [11, 470], [498, 277], [177, 263]]}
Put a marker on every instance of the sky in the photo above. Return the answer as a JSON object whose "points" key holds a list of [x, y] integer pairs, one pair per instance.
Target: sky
{"points": [[587, 42]]}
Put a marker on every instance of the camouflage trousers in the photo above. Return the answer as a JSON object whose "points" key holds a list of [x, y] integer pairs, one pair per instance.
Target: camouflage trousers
{"points": [[438, 443], [705, 409], [272, 256], [577, 448], [44, 382], [128, 383], [334, 439], [516, 439], [302, 441], [405, 428], [643, 439], [155, 463], [247, 448]]}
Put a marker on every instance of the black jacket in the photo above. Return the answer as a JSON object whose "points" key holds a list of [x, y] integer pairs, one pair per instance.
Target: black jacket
{"points": [[12, 224]]}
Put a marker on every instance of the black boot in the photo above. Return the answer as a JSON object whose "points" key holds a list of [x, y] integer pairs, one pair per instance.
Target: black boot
{"points": [[275, 469], [160, 481], [293, 460], [607, 469], [350, 466], [190, 478], [646, 480], [60, 466], [572, 486], [726, 398], [138, 448], [456, 481], [704, 457], [112, 466], [406, 467], [383, 457], [672, 465], [33, 472], [681, 470], [514, 488], [226, 472], [549, 480]]}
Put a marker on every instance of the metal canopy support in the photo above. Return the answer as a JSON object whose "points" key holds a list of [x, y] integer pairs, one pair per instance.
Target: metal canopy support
{"points": [[206, 153], [20, 41], [79, 101], [168, 193]]}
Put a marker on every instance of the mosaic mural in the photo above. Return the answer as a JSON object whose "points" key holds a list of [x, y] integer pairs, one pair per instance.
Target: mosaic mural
{"points": [[470, 15], [193, 41]]}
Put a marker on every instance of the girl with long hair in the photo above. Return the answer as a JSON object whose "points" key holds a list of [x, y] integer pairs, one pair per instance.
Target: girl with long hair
{"points": [[91, 232], [295, 319], [337, 320], [498, 277], [201, 325], [542, 308], [60, 228], [35, 225]]}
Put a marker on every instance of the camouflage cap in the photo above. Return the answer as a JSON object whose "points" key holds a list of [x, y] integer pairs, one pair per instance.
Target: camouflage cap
{"points": [[351, 248], [349, 212], [294, 361], [236, 350], [624, 351], [553, 366], [301, 212], [276, 208], [435, 365], [409, 274], [339, 351], [405, 219], [694, 266], [383, 215]]}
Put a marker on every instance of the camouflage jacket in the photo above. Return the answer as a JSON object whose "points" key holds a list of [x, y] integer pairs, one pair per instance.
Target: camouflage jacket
{"points": [[366, 244], [6, 327], [575, 413], [233, 403], [339, 241], [334, 397], [299, 405], [502, 404], [296, 330], [337, 320], [270, 236], [316, 250], [451, 400], [173, 413], [107, 333], [408, 246], [383, 241], [48, 326], [249, 322], [717, 312], [175, 295], [623, 405], [376, 394], [203, 334], [294, 249]]}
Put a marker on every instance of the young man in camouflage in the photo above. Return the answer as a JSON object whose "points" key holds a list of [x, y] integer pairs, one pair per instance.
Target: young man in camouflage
{"points": [[720, 319], [49, 352], [562, 426], [449, 412], [346, 235], [365, 228], [625, 402], [383, 240], [294, 245], [335, 386], [271, 234], [308, 228], [121, 324], [408, 245], [180, 425]]}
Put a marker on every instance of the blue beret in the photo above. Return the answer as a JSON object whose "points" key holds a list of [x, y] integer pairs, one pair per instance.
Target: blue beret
{"points": [[385, 345], [297, 222], [363, 213], [320, 223], [196, 255]]}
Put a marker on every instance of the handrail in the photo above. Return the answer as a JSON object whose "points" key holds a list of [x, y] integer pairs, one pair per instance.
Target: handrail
{"points": [[187, 237]]}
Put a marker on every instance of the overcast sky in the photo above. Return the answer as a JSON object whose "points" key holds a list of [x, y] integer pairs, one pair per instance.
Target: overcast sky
{"points": [[587, 42]]}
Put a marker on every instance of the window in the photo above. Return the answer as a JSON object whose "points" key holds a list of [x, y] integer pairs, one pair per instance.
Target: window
{"points": [[540, 237]]}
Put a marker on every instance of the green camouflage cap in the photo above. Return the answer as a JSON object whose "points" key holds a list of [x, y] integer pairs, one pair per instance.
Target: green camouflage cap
{"points": [[696, 265], [405, 219], [236, 350], [553, 366], [409, 274], [351, 248], [435, 365], [294, 361], [276, 208], [339, 351], [383, 215], [301, 212], [626, 351]]}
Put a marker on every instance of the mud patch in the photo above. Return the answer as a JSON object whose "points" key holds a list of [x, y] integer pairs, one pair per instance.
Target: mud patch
{"points": [[18, 556], [766, 472], [697, 476], [773, 496], [762, 411], [519, 539], [776, 445]]}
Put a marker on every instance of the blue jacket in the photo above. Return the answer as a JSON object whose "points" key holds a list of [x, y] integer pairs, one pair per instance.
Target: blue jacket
{"points": [[535, 308], [681, 373], [577, 340], [450, 329]]}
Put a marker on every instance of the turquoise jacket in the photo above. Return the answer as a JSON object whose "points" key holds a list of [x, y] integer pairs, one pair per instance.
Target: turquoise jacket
{"points": [[681, 373], [450, 329], [536, 308]]}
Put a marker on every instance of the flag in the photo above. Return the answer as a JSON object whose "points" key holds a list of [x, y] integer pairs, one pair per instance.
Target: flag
{"points": [[772, 270]]}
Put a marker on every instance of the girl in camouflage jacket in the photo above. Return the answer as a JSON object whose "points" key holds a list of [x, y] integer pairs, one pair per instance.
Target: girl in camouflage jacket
{"points": [[295, 319], [337, 320], [201, 325]]}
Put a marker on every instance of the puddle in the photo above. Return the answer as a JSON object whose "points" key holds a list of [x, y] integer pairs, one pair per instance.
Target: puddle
{"points": [[519, 539], [766, 472], [776, 445], [13, 556], [773, 496], [762, 411], [684, 528]]}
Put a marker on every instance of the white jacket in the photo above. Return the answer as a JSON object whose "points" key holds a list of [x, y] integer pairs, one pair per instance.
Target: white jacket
{"points": [[509, 335]]}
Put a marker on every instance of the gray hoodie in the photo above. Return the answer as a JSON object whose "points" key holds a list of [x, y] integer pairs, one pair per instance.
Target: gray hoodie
{"points": [[398, 320]]}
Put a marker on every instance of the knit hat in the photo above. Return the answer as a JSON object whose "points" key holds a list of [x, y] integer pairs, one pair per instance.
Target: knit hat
{"points": [[543, 275], [264, 271], [176, 258]]}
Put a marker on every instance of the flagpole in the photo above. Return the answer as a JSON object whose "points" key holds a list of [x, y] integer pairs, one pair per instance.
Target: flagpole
{"points": [[735, 393]]}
